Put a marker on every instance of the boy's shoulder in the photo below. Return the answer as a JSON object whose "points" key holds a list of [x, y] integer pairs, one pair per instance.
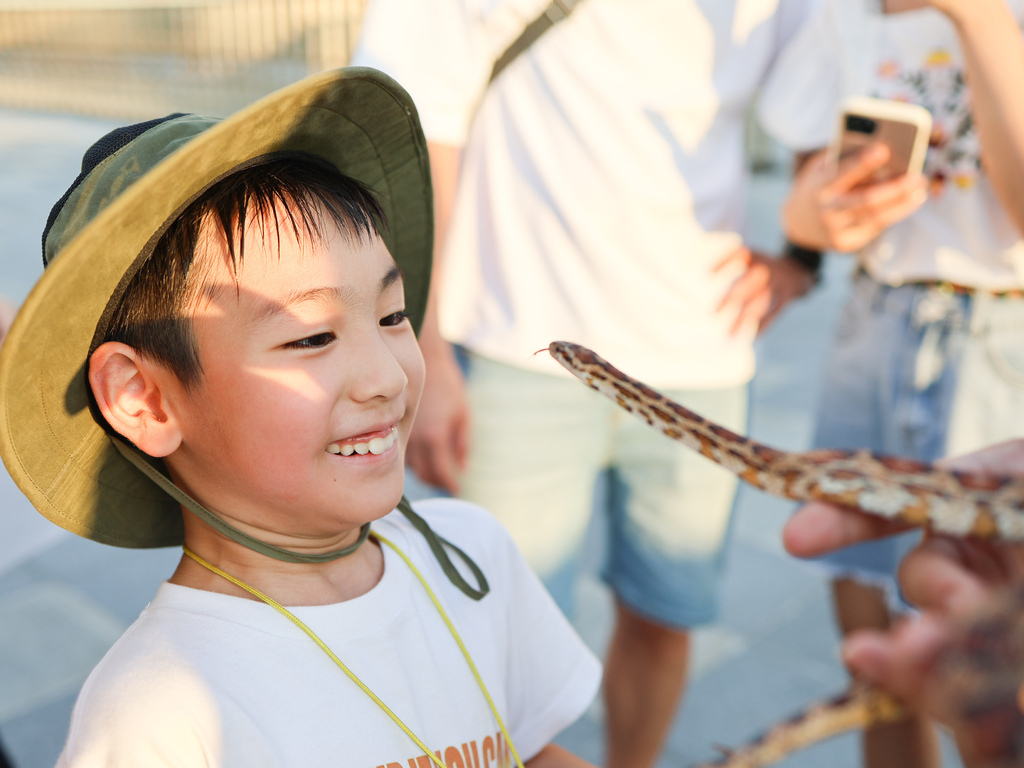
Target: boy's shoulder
{"points": [[142, 681]]}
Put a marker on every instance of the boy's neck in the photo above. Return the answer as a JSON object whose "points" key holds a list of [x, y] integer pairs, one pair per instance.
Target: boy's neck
{"points": [[291, 584]]}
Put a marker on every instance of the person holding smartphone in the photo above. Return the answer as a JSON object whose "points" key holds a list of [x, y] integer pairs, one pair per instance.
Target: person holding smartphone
{"points": [[594, 191], [928, 358]]}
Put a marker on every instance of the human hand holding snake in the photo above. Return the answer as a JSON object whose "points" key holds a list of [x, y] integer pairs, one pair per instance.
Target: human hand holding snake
{"points": [[928, 659], [967, 665]]}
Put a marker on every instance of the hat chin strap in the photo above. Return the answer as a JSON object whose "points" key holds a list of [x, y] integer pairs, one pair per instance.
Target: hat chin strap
{"points": [[140, 461], [436, 543]]}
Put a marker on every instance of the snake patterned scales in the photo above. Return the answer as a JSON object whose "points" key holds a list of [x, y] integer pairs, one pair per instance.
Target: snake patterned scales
{"points": [[954, 503], [950, 502]]}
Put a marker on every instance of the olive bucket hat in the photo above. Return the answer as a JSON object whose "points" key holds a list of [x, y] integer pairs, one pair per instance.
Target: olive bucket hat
{"points": [[134, 183]]}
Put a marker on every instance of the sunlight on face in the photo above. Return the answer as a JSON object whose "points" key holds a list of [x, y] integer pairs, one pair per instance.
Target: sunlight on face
{"points": [[311, 378]]}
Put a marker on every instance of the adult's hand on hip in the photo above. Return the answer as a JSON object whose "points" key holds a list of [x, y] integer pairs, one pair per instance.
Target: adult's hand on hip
{"points": [[766, 285]]}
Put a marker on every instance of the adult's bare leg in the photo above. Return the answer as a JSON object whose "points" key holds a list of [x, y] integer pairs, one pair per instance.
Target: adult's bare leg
{"points": [[645, 674]]}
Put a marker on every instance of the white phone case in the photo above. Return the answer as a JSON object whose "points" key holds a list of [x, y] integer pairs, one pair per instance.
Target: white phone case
{"points": [[905, 128]]}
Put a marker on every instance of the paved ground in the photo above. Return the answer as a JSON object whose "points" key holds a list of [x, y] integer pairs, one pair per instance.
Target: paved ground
{"points": [[63, 600]]}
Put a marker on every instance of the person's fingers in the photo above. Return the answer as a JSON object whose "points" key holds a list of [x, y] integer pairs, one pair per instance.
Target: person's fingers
{"points": [[753, 311], [844, 207], [900, 660], [741, 255], [879, 205], [746, 287], [767, 285], [817, 528], [882, 194], [933, 577], [1000, 459], [858, 217], [748, 300], [855, 170], [995, 563], [879, 215], [953, 575], [749, 297]]}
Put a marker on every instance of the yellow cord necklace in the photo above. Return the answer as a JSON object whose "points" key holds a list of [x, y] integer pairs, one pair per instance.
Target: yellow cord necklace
{"points": [[440, 609]]}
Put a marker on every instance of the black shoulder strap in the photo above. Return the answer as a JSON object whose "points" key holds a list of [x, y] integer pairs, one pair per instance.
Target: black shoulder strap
{"points": [[554, 13]]}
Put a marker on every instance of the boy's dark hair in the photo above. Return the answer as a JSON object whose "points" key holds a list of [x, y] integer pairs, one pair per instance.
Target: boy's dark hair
{"points": [[153, 314]]}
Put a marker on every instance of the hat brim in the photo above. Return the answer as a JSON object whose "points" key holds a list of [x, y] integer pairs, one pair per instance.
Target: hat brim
{"points": [[358, 119]]}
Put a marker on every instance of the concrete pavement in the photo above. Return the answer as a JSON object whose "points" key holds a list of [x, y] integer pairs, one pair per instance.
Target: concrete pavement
{"points": [[63, 600]]}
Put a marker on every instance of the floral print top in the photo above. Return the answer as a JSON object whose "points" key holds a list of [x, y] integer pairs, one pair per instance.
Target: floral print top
{"points": [[962, 233], [935, 80]]}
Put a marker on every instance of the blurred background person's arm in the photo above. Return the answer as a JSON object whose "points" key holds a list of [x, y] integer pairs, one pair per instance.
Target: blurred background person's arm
{"points": [[993, 49]]}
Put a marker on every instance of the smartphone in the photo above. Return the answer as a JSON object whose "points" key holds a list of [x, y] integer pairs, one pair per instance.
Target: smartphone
{"points": [[904, 128]]}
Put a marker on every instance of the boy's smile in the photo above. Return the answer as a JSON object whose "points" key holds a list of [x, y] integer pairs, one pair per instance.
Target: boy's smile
{"points": [[375, 443], [311, 377]]}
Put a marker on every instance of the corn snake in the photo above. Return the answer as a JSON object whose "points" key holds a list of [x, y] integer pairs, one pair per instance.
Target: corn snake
{"points": [[981, 676]]}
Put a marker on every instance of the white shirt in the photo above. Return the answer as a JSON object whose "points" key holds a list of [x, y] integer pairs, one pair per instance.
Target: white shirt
{"points": [[961, 234], [205, 679], [603, 174]]}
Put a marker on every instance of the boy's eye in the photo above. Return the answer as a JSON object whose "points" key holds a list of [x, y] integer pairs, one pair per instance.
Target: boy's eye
{"points": [[396, 318], [312, 342]]}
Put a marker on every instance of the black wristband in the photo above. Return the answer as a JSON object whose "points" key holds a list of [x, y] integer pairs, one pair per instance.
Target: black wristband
{"points": [[807, 258]]}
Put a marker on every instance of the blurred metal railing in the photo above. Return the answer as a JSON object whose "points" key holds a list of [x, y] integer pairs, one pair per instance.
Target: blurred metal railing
{"points": [[144, 58]]}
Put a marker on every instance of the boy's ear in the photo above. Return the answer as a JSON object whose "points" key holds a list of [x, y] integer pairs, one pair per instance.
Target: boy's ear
{"points": [[132, 395]]}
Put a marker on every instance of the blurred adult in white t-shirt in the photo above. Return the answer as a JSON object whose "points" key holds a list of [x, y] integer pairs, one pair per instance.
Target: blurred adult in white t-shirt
{"points": [[594, 192]]}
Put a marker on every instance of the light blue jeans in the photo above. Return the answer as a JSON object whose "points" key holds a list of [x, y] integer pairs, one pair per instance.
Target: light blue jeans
{"points": [[539, 443], [921, 372]]}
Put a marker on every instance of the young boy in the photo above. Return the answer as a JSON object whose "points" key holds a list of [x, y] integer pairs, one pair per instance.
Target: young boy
{"points": [[221, 353]]}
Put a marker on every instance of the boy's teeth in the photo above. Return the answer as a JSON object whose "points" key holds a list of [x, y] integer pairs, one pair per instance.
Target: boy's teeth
{"points": [[376, 446]]}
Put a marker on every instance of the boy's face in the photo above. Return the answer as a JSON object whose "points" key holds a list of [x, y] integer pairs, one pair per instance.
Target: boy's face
{"points": [[311, 379]]}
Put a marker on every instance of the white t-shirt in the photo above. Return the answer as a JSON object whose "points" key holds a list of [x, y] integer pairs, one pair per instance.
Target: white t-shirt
{"points": [[603, 174], [205, 679], [961, 234]]}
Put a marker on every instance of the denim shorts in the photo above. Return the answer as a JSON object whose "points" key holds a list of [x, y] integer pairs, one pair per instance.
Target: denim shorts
{"points": [[924, 372], [540, 442]]}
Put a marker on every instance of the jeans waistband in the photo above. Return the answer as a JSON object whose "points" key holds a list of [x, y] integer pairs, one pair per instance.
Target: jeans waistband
{"points": [[956, 289]]}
